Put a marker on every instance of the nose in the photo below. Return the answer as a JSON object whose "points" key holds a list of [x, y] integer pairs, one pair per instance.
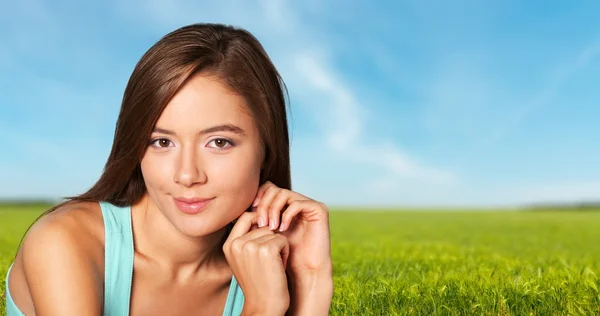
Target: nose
{"points": [[189, 171]]}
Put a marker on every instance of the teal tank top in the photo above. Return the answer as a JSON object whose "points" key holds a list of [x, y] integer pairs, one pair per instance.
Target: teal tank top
{"points": [[118, 273]]}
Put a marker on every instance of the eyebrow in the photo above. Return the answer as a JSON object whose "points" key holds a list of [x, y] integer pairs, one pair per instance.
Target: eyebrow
{"points": [[218, 128]]}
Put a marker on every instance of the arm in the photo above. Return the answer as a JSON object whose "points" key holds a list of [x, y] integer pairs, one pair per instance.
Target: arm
{"points": [[62, 277], [311, 293]]}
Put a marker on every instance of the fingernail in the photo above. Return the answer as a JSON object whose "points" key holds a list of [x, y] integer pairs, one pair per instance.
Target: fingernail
{"points": [[261, 221], [255, 203], [272, 225], [282, 227]]}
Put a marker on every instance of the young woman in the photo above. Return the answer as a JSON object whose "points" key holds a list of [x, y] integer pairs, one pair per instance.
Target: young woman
{"points": [[193, 213]]}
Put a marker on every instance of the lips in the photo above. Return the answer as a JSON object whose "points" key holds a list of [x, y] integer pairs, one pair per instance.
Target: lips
{"points": [[191, 205]]}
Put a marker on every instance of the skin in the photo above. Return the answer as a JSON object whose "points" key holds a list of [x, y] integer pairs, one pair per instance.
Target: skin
{"points": [[185, 264]]}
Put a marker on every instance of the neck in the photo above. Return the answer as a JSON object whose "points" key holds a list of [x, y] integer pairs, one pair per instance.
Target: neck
{"points": [[160, 243]]}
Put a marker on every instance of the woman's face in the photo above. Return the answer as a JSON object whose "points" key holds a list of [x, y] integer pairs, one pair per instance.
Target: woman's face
{"points": [[202, 165]]}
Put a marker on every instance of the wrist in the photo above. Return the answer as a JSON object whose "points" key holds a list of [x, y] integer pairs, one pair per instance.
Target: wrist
{"points": [[312, 279], [275, 308], [249, 310], [311, 293]]}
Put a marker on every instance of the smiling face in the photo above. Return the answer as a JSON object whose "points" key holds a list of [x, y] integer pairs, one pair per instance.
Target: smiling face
{"points": [[205, 146]]}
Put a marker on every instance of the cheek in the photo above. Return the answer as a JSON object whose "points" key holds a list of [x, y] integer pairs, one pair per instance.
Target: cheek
{"points": [[155, 172], [237, 177]]}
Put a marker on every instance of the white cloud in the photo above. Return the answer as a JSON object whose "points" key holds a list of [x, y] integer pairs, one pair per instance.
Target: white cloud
{"points": [[345, 131], [342, 119]]}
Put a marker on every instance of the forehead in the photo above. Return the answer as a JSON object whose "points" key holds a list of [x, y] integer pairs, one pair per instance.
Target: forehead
{"points": [[203, 101]]}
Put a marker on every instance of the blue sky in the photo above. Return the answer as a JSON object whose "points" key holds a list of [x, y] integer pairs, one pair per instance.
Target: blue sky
{"points": [[414, 103]]}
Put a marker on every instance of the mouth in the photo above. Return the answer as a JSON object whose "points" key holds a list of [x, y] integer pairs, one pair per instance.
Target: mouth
{"points": [[191, 205]]}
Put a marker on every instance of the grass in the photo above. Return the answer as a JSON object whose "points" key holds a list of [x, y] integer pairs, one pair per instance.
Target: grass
{"points": [[442, 263]]}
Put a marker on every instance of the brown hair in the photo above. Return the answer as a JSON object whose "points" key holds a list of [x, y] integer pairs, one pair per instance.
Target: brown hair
{"points": [[231, 54]]}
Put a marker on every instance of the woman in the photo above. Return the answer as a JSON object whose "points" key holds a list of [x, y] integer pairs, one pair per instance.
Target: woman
{"points": [[193, 213]]}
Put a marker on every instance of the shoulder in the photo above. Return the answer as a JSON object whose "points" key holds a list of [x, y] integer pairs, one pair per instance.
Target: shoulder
{"points": [[74, 230], [63, 253], [75, 226]]}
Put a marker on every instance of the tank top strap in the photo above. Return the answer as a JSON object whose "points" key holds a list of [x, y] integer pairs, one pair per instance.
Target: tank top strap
{"points": [[235, 299], [11, 307], [118, 259]]}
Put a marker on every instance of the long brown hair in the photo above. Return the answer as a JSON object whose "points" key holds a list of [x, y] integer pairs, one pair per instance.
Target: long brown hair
{"points": [[231, 54]]}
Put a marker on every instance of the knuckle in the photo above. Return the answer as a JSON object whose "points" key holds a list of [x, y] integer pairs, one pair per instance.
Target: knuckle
{"points": [[323, 206], [250, 247], [236, 245], [266, 250], [226, 246], [275, 191]]}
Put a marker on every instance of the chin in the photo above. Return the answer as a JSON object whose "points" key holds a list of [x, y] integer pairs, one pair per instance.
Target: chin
{"points": [[199, 225], [196, 227]]}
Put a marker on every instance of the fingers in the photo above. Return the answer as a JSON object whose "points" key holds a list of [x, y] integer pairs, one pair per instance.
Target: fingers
{"points": [[247, 243], [276, 207], [264, 218], [257, 233], [274, 243], [283, 198], [261, 191], [262, 242], [242, 225], [272, 200], [311, 210]]}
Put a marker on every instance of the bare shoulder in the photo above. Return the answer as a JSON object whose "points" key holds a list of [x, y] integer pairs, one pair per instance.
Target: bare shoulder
{"points": [[79, 225], [62, 254]]}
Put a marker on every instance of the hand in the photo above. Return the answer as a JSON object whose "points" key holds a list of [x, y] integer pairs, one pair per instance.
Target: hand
{"points": [[304, 222], [258, 259]]}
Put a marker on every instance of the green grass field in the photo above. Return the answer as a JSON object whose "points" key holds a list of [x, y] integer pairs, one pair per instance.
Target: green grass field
{"points": [[442, 263]]}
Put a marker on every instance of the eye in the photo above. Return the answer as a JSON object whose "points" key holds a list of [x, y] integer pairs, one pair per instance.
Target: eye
{"points": [[220, 143], [160, 142]]}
